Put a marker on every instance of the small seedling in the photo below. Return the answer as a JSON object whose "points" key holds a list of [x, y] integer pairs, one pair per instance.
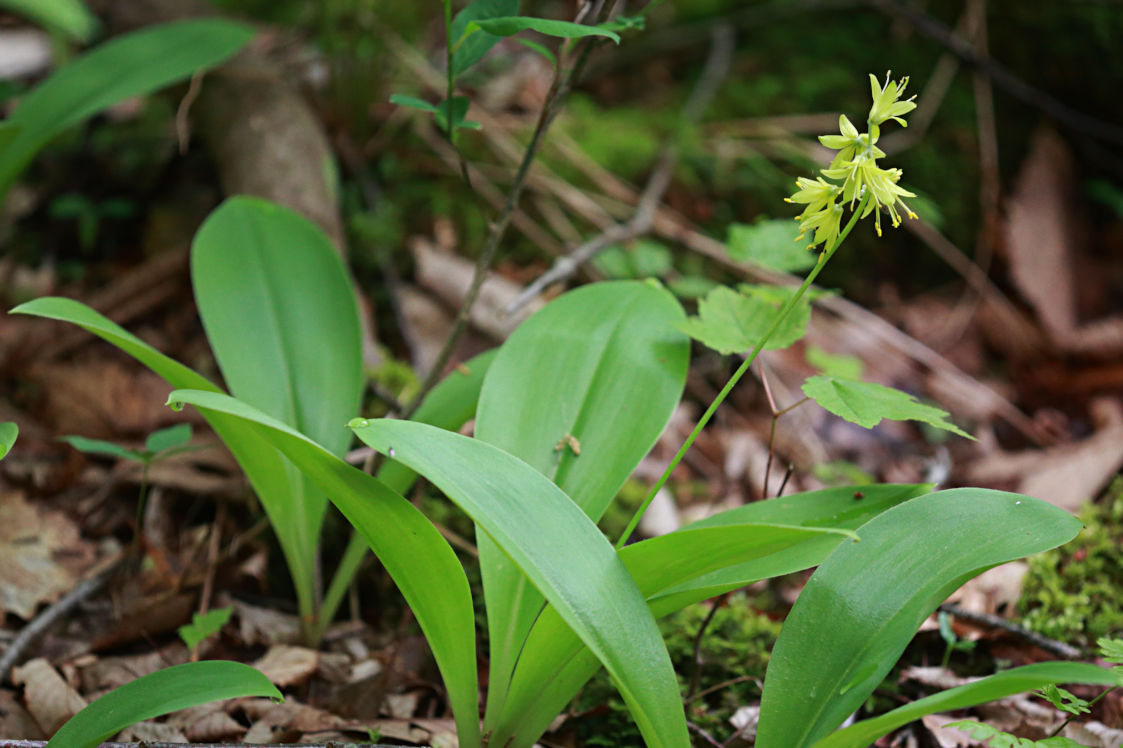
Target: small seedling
{"points": [[202, 626], [159, 445]]}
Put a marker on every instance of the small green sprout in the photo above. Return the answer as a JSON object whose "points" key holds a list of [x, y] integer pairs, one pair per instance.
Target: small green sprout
{"points": [[202, 626]]}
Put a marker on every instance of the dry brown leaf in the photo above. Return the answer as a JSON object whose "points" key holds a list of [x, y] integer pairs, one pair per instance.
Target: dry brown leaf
{"points": [[14, 719], [286, 665], [988, 592], [41, 556], [152, 732], [1040, 236], [208, 723], [402, 705], [102, 398], [49, 698], [264, 626], [400, 729], [1094, 734], [1068, 475], [107, 673]]}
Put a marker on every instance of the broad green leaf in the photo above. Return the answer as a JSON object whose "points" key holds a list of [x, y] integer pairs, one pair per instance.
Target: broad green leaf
{"points": [[203, 625], [131, 65], [102, 447], [655, 565], [601, 367], [281, 317], [839, 366], [158, 693], [569, 561], [9, 432], [467, 50], [843, 508], [771, 244], [169, 438], [449, 405], [511, 25], [866, 403], [71, 17], [732, 322], [419, 560], [993, 687], [691, 286], [865, 602], [643, 258], [264, 467]]}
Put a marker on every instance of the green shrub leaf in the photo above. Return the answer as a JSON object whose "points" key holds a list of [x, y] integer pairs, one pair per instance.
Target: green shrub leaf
{"points": [[772, 244], [203, 625], [732, 322], [467, 50], [866, 403], [511, 25]]}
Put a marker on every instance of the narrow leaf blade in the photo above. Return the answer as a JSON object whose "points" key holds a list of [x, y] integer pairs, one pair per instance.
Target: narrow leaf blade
{"points": [[9, 432], [467, 51], [993, 687], [511, 25], [71, 17], [158, 693], [562, 552], [415, 555]]}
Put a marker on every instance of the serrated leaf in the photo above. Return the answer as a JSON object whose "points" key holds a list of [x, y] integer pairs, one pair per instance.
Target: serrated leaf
{"points": [[169, 438], [837, 365], [731, 322], [866, 404], [771, 243], [511, 25], [203, 625], [9, 431]]}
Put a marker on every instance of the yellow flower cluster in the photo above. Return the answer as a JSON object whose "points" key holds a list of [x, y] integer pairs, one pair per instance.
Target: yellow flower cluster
{"points": [[854, 173]]}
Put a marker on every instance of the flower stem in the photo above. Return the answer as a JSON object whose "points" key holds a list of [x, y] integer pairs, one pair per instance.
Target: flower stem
{"points": [[744, 367]]}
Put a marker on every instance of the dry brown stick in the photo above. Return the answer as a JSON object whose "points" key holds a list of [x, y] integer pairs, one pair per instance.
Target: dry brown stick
{"points": [[1058, 648], [717, 67]]}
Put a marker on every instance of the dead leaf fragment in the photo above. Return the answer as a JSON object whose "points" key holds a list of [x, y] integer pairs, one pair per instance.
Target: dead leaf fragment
{"points": [[286, 665], [41, 556], [49, 698], [15, 720]]}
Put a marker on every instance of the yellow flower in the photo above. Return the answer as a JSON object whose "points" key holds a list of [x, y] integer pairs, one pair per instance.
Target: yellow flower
{"points": [[823, 214], [885, 101]]}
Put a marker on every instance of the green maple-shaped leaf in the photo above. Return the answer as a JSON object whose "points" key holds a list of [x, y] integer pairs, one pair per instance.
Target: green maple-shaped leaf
{"points": [[732, 322], [866, 404]]}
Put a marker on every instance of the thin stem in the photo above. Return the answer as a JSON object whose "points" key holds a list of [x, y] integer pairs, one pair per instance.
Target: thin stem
{"points": [[1071, 717], [824, 258], [449, 75], [142, 500]]}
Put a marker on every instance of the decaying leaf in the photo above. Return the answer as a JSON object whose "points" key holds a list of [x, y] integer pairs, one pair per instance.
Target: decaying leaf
{"points": [[49, 698], [286, 665]]}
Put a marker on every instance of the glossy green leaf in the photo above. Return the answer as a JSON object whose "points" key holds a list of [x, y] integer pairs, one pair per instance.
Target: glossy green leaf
{"points": [[835, 507], [419, 560], [558, 547], [865, 602], [467, 50], [71, 17], [158, 693], [281, 316], [866, 403], [772, 244], [449, 405], [655, 565], [732, 322], [9, 432], [597, 371], [101, 447], [265, 468], [511, 25], [169, 438], [993, 687], [203, 625], [131, 65]]}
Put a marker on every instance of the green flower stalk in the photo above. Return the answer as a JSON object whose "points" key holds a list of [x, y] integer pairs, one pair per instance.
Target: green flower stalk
{"points": [[854, 173]]}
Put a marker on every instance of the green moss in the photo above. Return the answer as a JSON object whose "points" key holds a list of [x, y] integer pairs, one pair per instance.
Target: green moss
{"points": [[1075, 593], [734, 654]]}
